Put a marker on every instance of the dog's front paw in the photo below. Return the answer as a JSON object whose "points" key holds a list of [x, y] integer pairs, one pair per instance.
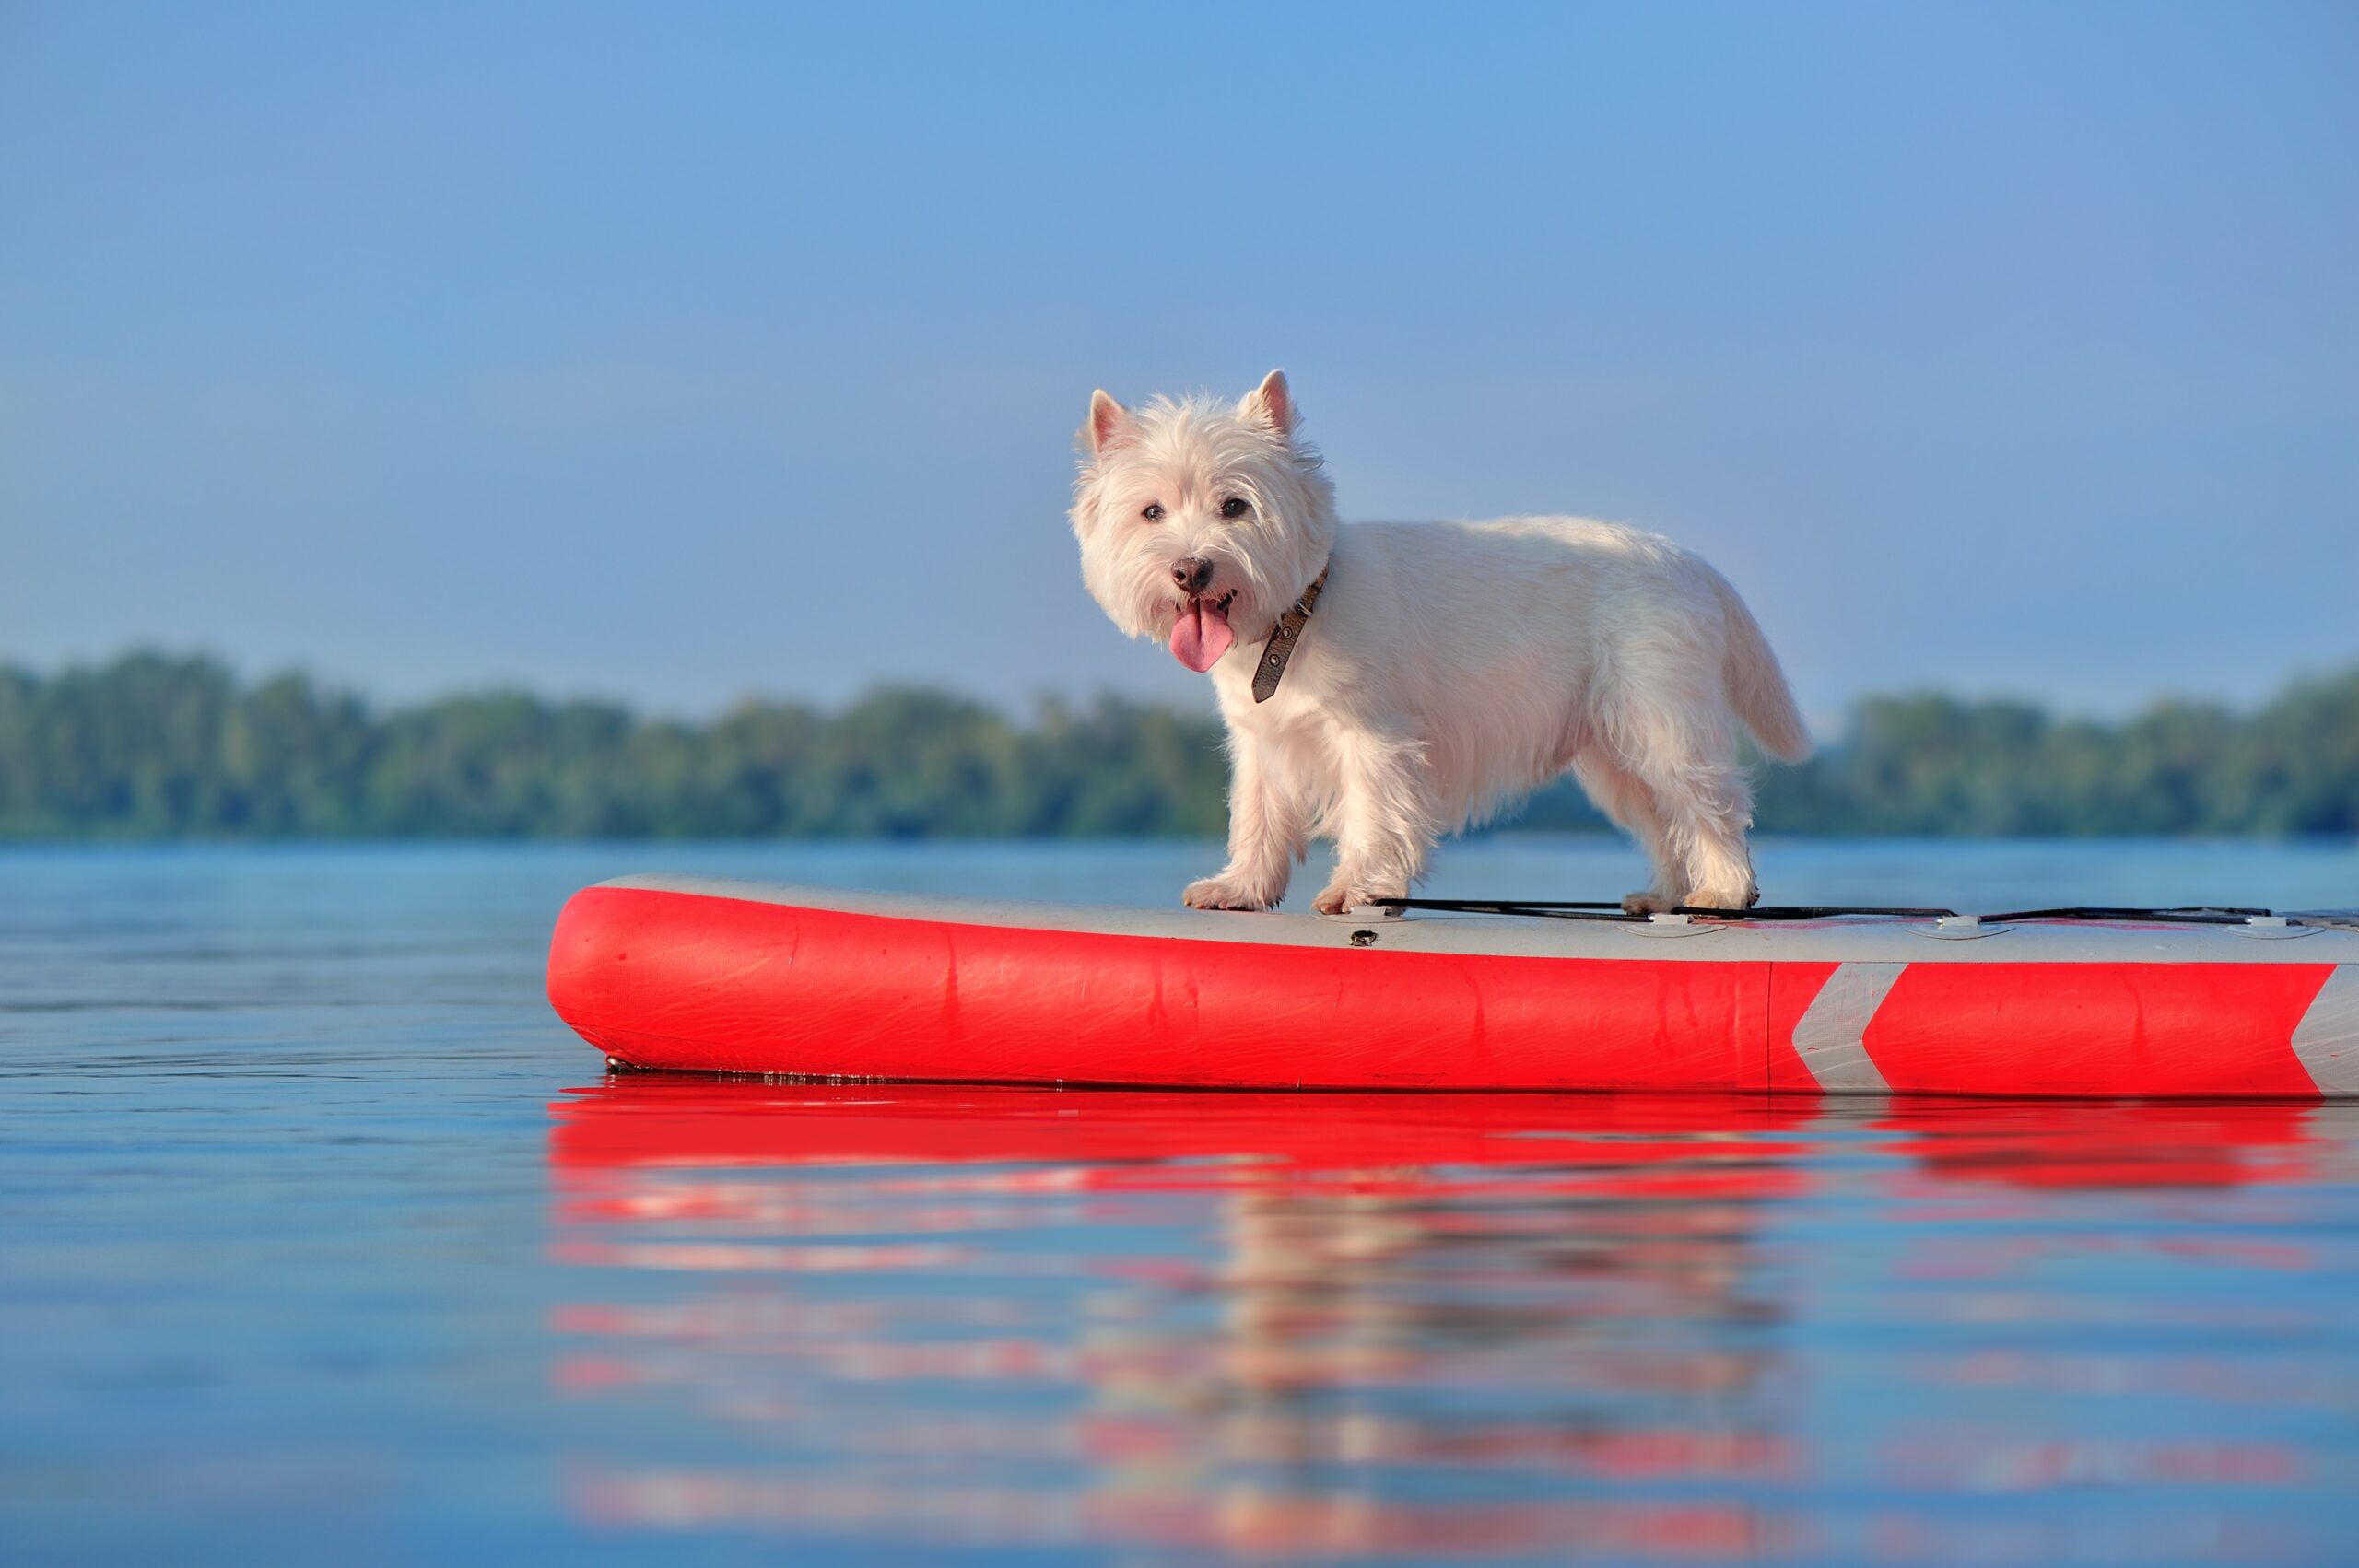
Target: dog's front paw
{"points": [[1337, 897], [1650, 902], [1733, 897], [1222, 893]]}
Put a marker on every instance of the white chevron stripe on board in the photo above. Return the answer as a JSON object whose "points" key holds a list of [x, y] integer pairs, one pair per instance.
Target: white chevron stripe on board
{"points": [[2327, 1039], [1831, 1038]]}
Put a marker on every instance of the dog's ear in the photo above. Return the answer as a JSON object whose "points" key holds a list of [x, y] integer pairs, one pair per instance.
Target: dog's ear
{"points": [[1108, 421], [1270, 404]]}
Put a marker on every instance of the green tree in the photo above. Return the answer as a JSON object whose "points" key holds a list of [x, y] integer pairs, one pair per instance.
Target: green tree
{"points": [[152, 746]]}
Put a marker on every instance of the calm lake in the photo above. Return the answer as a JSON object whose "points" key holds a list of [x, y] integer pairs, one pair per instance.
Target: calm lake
{"points": [[322, 1240]]}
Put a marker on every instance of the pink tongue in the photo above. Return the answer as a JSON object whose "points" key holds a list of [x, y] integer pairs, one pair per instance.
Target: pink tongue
{"points": [[1201, 636]]}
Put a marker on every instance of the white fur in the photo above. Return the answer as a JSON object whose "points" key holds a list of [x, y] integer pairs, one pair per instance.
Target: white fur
{"points": [[1448, 668]]}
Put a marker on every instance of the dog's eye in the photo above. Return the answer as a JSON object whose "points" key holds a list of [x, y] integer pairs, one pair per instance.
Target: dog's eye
{"points": [[1153, 513], [1235, 506]]}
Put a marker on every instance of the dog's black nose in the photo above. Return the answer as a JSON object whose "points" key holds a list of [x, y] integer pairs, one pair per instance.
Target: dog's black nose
{"points": [[1192, 573]]}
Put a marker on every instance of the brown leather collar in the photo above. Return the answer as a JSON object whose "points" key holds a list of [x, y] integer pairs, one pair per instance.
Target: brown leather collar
{"points": [[1282, 637]]}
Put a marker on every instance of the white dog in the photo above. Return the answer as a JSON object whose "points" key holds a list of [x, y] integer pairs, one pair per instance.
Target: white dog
{"points": [[1387, 683]]}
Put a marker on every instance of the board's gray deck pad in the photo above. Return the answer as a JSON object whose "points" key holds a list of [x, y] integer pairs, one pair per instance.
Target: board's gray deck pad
{"points": [[1842, 940]]}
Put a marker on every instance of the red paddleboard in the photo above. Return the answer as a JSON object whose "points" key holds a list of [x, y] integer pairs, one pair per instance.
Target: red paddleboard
{"points": [[682, 974]]}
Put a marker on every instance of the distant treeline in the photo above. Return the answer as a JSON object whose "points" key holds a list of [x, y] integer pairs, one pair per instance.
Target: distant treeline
{"points": [[151, 746]]}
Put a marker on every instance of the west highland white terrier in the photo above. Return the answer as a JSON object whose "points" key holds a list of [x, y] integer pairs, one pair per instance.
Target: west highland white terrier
{"points": [[1385, 683]]}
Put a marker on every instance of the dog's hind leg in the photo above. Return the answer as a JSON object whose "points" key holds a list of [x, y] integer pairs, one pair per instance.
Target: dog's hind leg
{"points": [[1267, 833], [1705, 806], [1681, 749], [1707, 811], [1628, 803]]}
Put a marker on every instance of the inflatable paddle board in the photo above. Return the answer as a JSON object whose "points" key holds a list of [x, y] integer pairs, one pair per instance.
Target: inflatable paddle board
{"points": [[694, 975]]}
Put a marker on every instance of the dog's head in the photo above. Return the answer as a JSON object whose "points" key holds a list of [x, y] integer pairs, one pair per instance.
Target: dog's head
{"points": [[1200, 521]]}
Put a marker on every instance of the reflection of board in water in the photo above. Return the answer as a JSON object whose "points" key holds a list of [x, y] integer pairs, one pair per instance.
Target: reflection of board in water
{"points": [[1654, 1146], [1444, 1327], [1310, 1286], [695, 974]]}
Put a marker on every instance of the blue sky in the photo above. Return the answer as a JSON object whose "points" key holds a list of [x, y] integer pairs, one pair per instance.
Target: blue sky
{"points": [[679, 352]]}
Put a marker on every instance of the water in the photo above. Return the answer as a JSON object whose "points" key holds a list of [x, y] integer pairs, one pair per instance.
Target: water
{"points": [[320, 1240]]}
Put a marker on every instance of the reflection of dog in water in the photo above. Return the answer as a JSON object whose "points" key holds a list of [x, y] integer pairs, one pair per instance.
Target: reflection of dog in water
{"points": [[1386, 684], [1387, 1317]]}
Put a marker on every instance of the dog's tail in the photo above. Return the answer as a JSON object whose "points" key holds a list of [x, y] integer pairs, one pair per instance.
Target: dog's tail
{"points": [[1757, 686]]}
